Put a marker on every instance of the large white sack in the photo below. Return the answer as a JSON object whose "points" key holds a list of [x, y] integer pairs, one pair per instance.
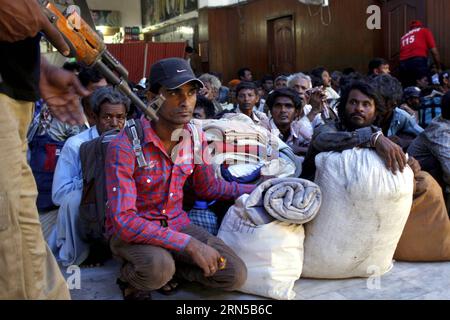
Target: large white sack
{"points": [[364, 210], [272, 252]]}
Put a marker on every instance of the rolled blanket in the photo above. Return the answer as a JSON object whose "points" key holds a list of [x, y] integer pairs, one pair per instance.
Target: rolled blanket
{"points": [[291, 200]]}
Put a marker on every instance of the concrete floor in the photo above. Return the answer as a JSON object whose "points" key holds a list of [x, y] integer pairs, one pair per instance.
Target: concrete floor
{"points": [[405, 281]]}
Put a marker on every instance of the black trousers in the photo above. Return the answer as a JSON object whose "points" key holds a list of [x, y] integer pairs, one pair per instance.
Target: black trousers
{"points": [[413, 69]]}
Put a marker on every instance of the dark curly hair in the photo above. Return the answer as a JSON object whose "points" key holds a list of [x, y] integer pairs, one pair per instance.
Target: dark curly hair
{"points": [[364, 88], [284, 92], [389, 89], [206, 105]]}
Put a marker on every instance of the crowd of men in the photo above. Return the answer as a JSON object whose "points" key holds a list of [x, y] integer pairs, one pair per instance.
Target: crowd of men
{"points": [[146, 178], [310, 112]]}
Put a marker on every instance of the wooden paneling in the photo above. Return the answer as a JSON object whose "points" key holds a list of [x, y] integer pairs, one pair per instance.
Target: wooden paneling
{"points": [[238, 36], [438, 13], [221, 36], [203, 48]]}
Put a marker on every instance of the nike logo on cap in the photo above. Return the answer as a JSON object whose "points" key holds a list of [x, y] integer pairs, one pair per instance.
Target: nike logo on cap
{"points": [[183, 70]]}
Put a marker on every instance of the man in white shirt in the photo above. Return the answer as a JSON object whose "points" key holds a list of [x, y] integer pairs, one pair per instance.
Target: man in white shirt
{"points": [[247, 97], [285, 105]]}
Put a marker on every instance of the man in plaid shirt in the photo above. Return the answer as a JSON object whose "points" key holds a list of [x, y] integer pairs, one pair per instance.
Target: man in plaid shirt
{"points": [[149, 230]]}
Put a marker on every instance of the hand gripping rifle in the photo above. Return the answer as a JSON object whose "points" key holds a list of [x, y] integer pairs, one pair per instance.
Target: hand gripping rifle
{"points": [[89, 49]]}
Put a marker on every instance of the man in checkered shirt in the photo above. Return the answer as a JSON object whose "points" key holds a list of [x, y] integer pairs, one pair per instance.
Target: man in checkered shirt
{"points": [[149, 230]]}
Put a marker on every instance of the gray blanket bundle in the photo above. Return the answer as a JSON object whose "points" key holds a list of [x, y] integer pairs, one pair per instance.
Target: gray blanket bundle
{"points": [[291, 200]]}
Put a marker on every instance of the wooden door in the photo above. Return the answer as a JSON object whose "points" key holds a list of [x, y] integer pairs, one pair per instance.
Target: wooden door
{"points": [[397, 14], [281, 45]]}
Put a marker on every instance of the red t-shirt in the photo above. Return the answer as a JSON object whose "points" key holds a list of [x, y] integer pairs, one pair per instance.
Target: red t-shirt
{"points": [[416, 43]]}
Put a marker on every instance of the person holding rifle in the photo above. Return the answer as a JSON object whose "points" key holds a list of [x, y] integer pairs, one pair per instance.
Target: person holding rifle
{"points": [[29, 270]]}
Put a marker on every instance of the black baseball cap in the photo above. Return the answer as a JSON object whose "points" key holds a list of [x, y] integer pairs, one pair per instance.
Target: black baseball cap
{"points": [[172, 73]]}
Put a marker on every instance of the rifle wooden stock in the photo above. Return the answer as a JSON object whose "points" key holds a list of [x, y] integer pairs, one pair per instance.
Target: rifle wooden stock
{"points": [[88, 48], [85, 43]]}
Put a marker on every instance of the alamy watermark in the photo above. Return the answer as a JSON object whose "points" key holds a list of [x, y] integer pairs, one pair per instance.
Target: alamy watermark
{"points": [[374, 20], [74, 280]]}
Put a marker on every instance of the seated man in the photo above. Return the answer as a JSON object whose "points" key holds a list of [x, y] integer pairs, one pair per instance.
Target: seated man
{"points": [[211, 90], [444, 81], [358, 110], [204, 108], [314, 110], [109, 108], [378, 66], [150, 232], [267, 84], [285, 106], [432, 147], [247, 98], [411, 101], [280, 82], [91, 79], [395, 123]]}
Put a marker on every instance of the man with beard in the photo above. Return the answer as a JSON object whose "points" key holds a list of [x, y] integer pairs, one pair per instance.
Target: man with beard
{"points": [[425, 236], [358, 110]]}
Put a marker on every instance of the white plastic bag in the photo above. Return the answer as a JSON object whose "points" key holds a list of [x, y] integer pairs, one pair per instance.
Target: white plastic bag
{"points": [[272, 252], [364, 210]]}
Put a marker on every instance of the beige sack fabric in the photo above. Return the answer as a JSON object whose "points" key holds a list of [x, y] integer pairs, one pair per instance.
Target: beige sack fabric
{"points": [[272, 250], [426, 236], [363, 213]]}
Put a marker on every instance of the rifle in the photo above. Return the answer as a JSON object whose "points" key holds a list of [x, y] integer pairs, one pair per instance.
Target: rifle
{"points": [[89, 49]]}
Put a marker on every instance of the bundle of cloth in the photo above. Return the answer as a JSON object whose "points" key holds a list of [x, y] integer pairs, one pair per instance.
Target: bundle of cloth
{"points": [[247, 153], [265, 229]]}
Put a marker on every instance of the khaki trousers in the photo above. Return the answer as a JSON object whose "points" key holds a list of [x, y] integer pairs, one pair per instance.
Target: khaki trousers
{"points": [[28, 269], [148, 267]]}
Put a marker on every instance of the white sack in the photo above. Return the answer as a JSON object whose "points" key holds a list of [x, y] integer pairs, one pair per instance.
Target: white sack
{"points": [[364, 210], [272, 250]]}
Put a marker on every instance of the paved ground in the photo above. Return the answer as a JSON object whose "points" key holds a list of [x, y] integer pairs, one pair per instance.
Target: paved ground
{"points": [[405, 281]]}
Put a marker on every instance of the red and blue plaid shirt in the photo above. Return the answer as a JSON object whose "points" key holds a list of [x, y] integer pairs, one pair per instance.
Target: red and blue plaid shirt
{"points": [[139, 199]]}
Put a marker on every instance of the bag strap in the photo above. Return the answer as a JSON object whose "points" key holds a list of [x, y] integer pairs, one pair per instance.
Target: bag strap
{"points": [[197, 143], [135, 134]]}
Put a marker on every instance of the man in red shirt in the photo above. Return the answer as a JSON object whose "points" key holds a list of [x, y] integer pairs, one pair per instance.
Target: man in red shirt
{"points": [[414, 49], [149, 230]]}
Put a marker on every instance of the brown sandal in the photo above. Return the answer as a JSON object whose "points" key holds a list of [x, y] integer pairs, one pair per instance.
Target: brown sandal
{"points": [[170, 288], [131, 293]]}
